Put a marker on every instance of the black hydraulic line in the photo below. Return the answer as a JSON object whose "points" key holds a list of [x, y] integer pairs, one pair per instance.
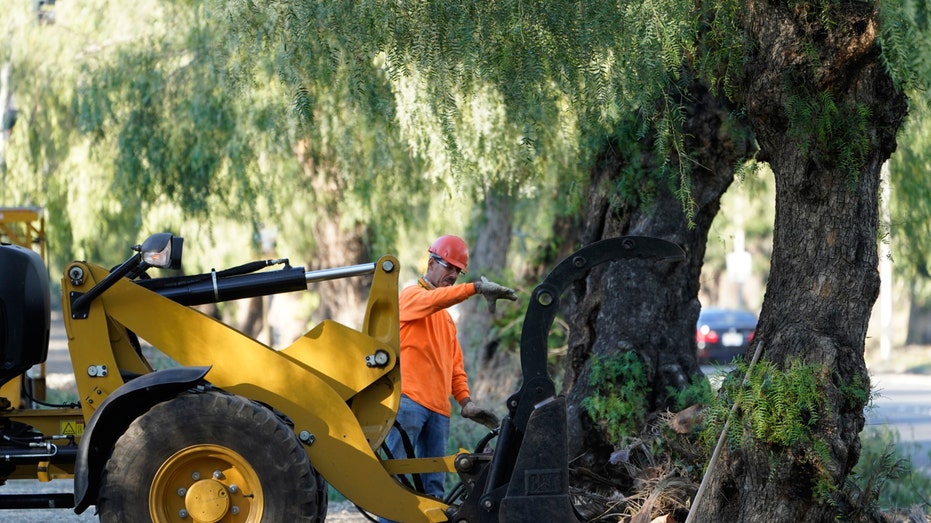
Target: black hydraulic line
{"points": [[66, 454], [482, 443], [80, 303], [409, 451], [25, 391], [502, 465], [183, 281]]}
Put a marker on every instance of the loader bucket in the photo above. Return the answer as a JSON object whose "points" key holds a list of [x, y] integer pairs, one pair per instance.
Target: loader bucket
{"points": [[539, 486]]}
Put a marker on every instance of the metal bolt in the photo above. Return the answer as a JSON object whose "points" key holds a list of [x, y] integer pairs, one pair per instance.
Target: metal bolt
{"points": [[234, 510], [579, 261], [217, 474], [234, 488], [195, 476], [487, 504], [76, 275], [464, 464], [307, 437], [182, 514], [182, 491], [387, 266], [545, 299]]}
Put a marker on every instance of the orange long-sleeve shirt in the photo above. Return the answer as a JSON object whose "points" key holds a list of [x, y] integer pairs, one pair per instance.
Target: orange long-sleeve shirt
{"points": [[431, 358]]}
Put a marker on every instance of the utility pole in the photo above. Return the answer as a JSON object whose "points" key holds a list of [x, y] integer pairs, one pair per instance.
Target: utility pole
{"points": [[885, 268]]}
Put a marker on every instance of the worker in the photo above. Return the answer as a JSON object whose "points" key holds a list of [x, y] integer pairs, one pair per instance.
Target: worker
{"points": [[431, 358]]}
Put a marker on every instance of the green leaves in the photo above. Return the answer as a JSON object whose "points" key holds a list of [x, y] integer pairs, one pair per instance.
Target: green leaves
{"points": [[776, 407], [618, 399], [836, 134], [781, 409]]}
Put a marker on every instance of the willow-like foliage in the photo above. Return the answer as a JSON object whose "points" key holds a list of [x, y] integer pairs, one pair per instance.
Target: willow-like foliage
{"points": [[399, 106]]}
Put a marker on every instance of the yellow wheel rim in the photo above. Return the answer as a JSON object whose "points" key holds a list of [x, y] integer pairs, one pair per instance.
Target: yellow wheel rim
{"points": [[206, 484]]}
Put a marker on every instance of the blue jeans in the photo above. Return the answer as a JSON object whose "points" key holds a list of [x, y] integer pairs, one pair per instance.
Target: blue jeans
{"points": [[428, 433]]}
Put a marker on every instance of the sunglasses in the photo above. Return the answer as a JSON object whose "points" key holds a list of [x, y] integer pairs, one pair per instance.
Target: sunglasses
{"points": [[446, 265]]}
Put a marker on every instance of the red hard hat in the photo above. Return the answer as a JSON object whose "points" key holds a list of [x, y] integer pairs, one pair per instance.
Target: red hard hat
{"points": [[452, 249]]}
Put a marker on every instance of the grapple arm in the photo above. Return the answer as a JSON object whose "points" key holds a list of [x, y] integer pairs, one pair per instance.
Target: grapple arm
{"points": [[527, 479]]}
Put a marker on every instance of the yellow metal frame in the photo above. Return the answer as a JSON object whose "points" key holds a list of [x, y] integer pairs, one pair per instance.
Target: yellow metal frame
{"points": [[24, 226], [343, 407], [65, 424]]}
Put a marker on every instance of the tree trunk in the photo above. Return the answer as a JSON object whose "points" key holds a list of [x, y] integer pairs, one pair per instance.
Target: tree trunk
{"points": [[919, 321], [344, 299], [490, 372], [334, 243], [824, 278], [620, 305]]}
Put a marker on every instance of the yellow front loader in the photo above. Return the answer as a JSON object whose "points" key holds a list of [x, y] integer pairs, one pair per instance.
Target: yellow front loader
{"points": [[240, 431]]}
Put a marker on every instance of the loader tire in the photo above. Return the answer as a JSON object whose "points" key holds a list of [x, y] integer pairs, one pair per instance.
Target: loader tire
{"points": [[210, 457]]}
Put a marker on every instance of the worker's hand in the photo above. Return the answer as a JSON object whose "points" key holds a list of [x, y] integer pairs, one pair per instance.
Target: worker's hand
{"points": [[492, 292], [479, 415]]}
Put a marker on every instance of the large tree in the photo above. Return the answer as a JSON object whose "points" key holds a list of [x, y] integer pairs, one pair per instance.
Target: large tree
{"points": [[642, 315], [815, 87], [636, 95], [825, 112]]}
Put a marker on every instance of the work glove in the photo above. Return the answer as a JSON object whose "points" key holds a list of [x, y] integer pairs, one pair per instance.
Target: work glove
{"points": [[479, 415], [492, 292]]}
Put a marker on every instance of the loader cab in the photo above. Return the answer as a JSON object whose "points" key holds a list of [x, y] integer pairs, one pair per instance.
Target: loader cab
{"points": [[24, 311], [24, 304]]}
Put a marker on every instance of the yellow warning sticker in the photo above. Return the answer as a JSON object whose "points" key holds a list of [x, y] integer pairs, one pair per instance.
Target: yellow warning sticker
{"points": [[72, 428]]}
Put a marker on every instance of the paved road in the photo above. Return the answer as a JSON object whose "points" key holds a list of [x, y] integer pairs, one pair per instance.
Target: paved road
{"points": [[902, 403]]}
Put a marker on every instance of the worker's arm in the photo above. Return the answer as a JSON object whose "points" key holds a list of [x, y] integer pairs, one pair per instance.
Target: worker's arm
{"points": [[418, 302]]}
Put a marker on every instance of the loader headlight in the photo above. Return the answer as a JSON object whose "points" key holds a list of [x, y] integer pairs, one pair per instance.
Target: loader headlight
{"points": [[162, 250]]}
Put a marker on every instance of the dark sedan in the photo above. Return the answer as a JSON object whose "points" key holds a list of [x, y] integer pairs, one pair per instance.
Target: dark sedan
{"points": [[723, 334]]}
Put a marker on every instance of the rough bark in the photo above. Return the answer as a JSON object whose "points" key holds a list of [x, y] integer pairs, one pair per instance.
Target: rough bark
{"points": [[919, 323], [488, 369], [334, 243], [344, 299], [824, 277], [621, 304]]}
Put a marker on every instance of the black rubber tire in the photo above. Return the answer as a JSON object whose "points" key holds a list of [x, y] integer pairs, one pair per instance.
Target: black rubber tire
{"points": [[289, 488]]}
